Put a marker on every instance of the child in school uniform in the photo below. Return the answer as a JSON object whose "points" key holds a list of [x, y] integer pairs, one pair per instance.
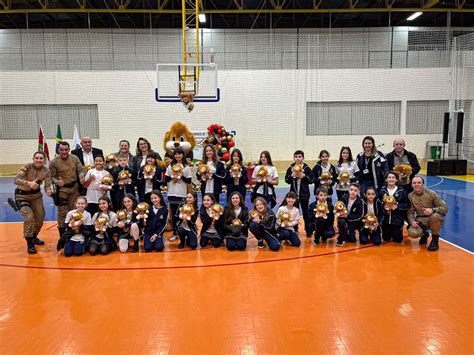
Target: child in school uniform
{"points": [[177, 177], [265, 176], [123, 186], [288, 230], [236, 217], [236, 181], [211, 183], [392, 225], [262, 225], [323, 166], [95, 188], [149, 181], [321, 223], [372, 205], [345, 164], [187, 229], [299, 176], [212, 230], [77, 233], [355, 213], [128, 229], [157, 219], [103, 240]]}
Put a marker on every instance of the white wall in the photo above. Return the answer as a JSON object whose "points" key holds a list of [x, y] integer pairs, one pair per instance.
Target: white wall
{"points": [[265, 107]]}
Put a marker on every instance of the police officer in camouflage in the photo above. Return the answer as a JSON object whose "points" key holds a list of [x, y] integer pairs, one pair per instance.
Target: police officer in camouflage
{"points": [[29, 199], [66, 170]]}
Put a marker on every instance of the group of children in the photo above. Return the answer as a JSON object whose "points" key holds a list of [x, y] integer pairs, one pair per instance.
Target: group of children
{"points": [[109, 216]]}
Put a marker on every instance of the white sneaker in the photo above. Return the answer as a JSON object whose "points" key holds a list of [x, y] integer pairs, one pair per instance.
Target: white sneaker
{"points": [[173, 238]]}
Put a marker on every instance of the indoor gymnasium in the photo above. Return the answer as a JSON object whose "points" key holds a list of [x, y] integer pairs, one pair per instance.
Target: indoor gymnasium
{"points": [[236, 177]]}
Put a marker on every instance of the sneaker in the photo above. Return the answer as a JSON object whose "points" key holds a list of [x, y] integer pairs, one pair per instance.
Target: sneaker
{"points": [[340, 243], [181, 244], [260, 244], [173, 238], [424, 239], [316, 241]]}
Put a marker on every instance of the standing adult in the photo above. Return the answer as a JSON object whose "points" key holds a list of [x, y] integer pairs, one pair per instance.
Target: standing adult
{"points": [[427, 212], [143, 148], [124, 149], [65, 170], [399, 157], [86, 154], [29, 198], [372, 166]]}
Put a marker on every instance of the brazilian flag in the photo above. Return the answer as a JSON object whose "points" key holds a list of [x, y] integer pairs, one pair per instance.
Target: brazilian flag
{"points": [[59, 138]]}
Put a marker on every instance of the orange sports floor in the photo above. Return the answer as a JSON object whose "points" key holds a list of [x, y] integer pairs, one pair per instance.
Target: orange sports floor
{"points": [[310, 300]]}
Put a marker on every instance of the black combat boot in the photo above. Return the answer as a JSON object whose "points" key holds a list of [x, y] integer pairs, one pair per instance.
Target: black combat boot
{"points": [[434, 243], [31, 245], [36, 240]]}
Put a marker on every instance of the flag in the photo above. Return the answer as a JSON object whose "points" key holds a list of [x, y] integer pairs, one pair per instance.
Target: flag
{"points": [[59, 138], [76, 141], [42, 144]]}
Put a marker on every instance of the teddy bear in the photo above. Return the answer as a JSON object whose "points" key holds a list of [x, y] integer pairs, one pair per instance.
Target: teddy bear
{"points": [[286, 221], [236, 223], [321, 210], [389, 203], [124, 178], [149, 171], [344, 179], [261, 174], [122, 218], [370, 221], [216, 211], [203, 169], [142, 212], [340, 209], [325, 178], [177, 172], [101, 223], [254, 214], [106, 182], [178, 135], [404, 172], [77, 218], [186, 212], [111, 161]]}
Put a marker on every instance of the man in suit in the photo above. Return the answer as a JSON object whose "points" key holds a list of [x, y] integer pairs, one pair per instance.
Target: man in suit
{"points": [[86, 155]]}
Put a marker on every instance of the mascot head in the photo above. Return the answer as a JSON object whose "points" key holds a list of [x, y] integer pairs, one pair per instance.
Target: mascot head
{"points": [[179, 135]]}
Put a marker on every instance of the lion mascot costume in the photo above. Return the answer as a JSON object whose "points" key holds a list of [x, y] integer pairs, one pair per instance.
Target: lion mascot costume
{"points": [[178, 135]]}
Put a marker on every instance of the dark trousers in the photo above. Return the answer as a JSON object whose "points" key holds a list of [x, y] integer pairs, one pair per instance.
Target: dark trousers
{"points": [[260, 233], [188, 236], [174, 203], [352, 227], [342, 226], [216, 241], [304, 203], [157, 245], [373, 235], [92, 208], [323, 229], [392, 232], [73, 248], [235, 243], [289, 235]]}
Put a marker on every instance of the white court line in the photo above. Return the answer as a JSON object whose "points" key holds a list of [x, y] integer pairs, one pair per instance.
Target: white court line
{"points": [[457, 246], [438, 183]]}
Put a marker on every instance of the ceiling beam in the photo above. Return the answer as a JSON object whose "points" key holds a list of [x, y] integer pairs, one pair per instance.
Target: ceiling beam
{"points": [[237, 11]]}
